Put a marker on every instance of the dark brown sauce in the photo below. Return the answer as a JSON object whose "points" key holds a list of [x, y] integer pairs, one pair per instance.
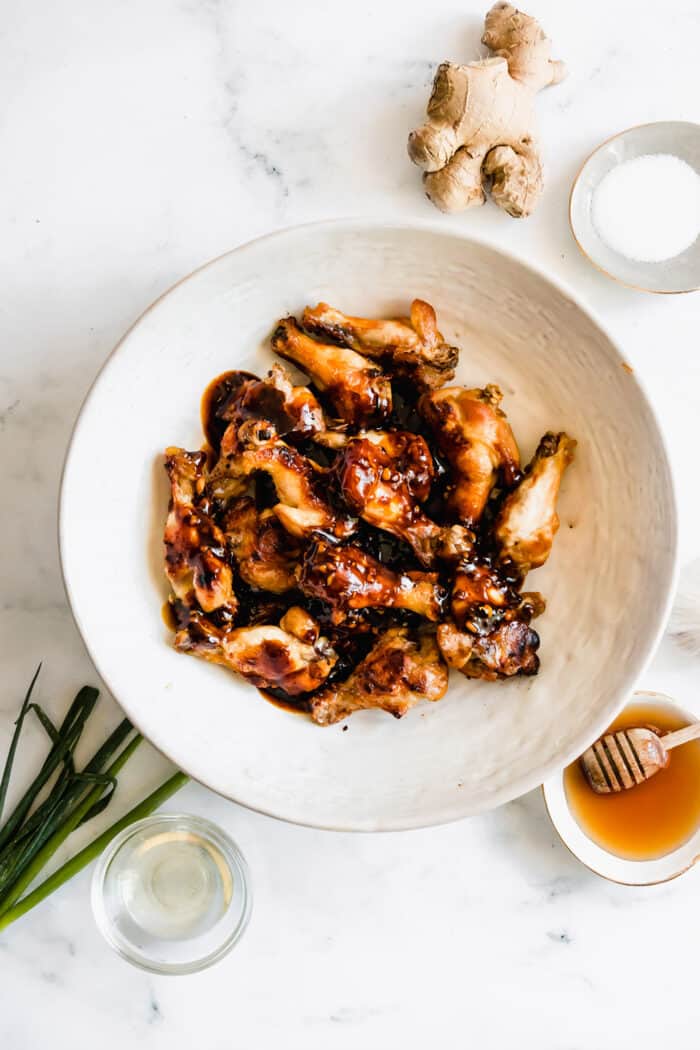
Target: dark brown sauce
{"points": [[214, 399], [654, 818], [168, 614], [285, 703]]}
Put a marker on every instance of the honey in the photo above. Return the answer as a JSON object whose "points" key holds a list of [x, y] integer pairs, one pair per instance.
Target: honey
{"points": [[654, 818]]}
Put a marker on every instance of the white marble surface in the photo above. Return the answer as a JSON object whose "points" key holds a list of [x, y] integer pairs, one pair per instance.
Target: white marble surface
{"points": [[138, 141]]}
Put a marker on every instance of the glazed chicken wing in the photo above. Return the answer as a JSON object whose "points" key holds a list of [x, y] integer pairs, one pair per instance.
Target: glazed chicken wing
{"points": [[348, 580], [509, 650], [412, 346], [266, 554], [478, 595], [482, 598], [291, 409], [358, 390], [398, 672], [195, 555], [476, 439], [270, 657], [383, 476], [527, 522], [299, 482]]}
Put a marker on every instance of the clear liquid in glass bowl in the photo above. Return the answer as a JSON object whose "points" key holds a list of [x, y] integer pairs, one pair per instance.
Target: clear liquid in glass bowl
{"points": [[172, 893]]}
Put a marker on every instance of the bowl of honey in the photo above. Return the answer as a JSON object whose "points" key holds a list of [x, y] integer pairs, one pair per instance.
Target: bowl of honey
{"points": [[649, 833]]}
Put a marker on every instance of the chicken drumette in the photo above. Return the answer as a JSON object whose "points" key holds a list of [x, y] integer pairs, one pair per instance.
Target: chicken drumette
{"points": [[476, 439], [399, 671], [348, 580], [527, 522], [358, 390], [290, 409], [299, 482], [412, 346], [195, 553], [383, 476], [270, 657], [510, 649], [266, 554]]}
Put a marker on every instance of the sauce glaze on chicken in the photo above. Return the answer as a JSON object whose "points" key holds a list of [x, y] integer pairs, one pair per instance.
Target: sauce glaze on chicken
{"points": [[341, 542]]}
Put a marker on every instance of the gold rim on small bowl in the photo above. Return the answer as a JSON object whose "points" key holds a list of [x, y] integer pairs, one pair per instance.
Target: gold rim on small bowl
{"points": [[676, 276]]}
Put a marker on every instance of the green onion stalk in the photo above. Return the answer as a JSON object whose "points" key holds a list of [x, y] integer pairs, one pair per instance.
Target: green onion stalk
{"points": [[33, 833]]}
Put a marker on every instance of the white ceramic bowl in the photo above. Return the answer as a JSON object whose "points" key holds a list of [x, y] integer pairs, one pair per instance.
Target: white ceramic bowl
{"points": [[679, 274], [608, 582], [598, 859]]}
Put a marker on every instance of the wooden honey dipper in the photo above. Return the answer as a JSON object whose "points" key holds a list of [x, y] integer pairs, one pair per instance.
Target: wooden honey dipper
{"points": [[630, 756]]}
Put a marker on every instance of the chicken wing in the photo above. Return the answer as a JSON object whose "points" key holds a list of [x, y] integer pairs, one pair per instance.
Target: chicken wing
{"points": [[399, 671], [528, 521], [476, 439], [301, 624], [299, 482], [412, 346], [270, 657], [195, 553], [482, 598], [291, 409], [381, 477], [267, 555], [348, 580], [358, 390], [509, 650]]}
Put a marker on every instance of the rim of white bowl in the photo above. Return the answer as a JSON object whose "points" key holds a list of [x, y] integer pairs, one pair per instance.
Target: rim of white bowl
{"points": [[349, 223]]}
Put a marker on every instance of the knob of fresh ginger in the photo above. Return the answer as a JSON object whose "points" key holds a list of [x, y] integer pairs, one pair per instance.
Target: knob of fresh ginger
{"points": [[480, 130]]}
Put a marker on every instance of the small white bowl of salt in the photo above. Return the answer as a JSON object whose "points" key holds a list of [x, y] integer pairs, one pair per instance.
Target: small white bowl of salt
{"points": [[635, 207]]}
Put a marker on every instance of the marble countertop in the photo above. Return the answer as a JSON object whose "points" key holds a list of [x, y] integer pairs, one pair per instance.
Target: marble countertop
{"points": [[138, 141]]}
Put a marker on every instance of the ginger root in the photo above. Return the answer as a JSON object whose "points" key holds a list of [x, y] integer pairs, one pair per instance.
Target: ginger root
{"points": [[481, 120]]}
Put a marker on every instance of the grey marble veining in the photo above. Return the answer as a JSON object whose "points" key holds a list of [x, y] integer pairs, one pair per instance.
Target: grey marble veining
{"points": [[140, 140]]}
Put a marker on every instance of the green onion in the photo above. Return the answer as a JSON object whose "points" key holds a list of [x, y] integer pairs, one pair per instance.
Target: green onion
{"points": [[60, 754], [50, 845], [93, 850], [33, 832], [15, 740]]}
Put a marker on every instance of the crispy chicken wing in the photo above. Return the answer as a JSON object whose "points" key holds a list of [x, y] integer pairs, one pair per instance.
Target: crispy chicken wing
{"points": [[476, 439], [509, 650], [267, 555], [347, 579], [412, 346], [398, 672], [527, 522], [269, 657], [195, 555], [299, 482], [358, 390]]}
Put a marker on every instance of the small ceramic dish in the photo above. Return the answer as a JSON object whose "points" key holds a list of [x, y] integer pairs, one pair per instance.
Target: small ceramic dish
{"points": [[679, 274], [601, 861]]}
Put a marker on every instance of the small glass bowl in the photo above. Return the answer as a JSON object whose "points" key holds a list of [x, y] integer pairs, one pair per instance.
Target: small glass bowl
{"points": [[172, 894]]}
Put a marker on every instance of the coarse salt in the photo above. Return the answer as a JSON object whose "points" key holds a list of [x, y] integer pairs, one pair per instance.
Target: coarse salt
{"points": [[648, 208]]}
